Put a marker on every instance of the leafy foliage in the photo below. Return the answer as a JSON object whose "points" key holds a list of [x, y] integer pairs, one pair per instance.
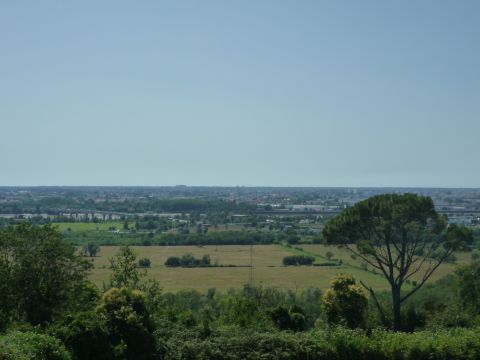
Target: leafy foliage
{"points": [[296, 260], [399, 236], [144, 263], [30, 345], [124, 269], [469, 285], [188, 260], [129, 323], [345, 302], [91, 249], [41, 275]]}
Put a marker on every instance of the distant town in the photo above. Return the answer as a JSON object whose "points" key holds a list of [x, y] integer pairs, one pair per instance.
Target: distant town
{"points": [[309, 207]]}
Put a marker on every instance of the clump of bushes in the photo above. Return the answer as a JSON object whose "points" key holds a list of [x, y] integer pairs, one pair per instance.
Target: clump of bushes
{"points": [[345, 302], [188, 260], [295, 260], [144, 263], [288, 319], [334, 343], [30, 345]]}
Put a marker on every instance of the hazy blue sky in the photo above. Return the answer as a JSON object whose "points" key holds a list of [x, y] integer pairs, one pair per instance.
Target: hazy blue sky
{"points": [[308, 93]]}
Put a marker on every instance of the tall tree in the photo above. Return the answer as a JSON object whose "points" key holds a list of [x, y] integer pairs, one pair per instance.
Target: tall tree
{"points": [[41, 275], [402, 237]]}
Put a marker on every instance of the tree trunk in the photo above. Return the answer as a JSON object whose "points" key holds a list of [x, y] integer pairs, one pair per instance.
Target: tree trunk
{"points": [[397, 316]]}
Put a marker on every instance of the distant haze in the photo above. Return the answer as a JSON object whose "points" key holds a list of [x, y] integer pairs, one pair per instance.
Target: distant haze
{"points": [[281, 93]]}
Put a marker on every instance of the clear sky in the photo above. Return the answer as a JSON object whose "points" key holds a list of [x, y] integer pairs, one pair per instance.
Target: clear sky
{"points": [[280, 93]]}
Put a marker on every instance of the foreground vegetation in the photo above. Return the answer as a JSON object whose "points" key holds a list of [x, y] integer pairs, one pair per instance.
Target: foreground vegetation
{"points": [[66, 318]]}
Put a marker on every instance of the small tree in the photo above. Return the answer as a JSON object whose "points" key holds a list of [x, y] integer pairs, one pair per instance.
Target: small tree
{"points": [[91, 249], [129, 322], [124, 267], [345, 302], [329, 255], [205, 260]]}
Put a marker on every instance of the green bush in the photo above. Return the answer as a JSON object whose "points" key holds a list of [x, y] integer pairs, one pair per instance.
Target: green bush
{"points": [[172, 261], [30, 345], [144, 263], [86, 335], [129, 323], [295, 260], [345, 302], [326, 344]]}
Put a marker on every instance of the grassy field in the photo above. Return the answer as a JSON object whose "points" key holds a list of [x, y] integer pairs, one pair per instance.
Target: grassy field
{"points": [[268, 268], [346, 257], [267, 259], [90, 226], [106, 225]]}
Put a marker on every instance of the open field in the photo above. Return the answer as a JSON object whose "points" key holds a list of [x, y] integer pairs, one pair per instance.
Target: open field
{"points": [[268, 268], [106, 225], [89, 226], [346, 256]]}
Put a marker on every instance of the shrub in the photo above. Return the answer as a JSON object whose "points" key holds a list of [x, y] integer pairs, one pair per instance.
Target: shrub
{"points": [[475, 255], [128, 321], [188, 260], [86, 335], [205, 260], [292, 319], [172, 261], [293, 239], [336, 343], [30, 345], [144, 263], [345, 302], [295, 260]]}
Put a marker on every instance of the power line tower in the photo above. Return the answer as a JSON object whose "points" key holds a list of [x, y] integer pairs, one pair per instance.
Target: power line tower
{"points": [[251, 264]]}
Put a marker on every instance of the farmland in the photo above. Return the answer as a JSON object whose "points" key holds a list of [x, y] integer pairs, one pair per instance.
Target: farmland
{"points": [[268, 268], [89, 226], [346, 257]]}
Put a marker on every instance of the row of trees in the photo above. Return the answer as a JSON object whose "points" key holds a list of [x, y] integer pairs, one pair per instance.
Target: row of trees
{"points": [[82, 238], [55, 204]]}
